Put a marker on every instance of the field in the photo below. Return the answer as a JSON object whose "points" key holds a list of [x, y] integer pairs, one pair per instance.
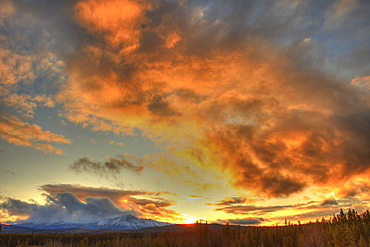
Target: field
{"points": [[343, 230]]}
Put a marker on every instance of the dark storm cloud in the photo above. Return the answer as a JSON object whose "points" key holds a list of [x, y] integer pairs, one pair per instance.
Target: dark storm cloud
{"points": [[329, 202], [18, 207], [111, 167], [65, 206], [160, 107]]}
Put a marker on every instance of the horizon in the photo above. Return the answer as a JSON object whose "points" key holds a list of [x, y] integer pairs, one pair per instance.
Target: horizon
{"points": [[250, 112], [25, 223], [332, 220]]}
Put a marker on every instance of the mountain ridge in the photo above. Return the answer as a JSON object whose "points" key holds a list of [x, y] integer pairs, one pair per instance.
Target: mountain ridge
{"points": [[124, 222]]}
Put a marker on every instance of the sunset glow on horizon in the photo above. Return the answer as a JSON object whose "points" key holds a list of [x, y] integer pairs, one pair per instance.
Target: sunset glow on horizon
{"points": [[240, 112]]}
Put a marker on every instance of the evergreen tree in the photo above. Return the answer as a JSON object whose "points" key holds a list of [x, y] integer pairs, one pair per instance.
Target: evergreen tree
{"points": [[334, 220], [226, 235], [366, 217], [342, 217]]}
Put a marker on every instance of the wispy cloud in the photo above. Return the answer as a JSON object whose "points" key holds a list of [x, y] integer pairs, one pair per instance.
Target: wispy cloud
{"points": [[112, 166], [116, 143], [308, 210], [233, 200], [21, 133], [244, 221]]}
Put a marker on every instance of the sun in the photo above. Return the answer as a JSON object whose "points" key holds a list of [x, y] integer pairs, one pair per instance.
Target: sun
{"points": [[187, 219]]}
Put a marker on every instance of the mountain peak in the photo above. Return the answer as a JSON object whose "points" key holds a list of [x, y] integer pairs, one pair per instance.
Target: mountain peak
{"points": [[126, 222]]}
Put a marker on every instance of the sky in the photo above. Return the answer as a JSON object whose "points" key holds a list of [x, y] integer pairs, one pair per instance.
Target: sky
{"points": [[244, 111]]}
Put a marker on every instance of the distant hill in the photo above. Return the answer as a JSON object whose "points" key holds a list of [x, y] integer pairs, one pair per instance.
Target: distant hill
{"points": [[15, 229]]}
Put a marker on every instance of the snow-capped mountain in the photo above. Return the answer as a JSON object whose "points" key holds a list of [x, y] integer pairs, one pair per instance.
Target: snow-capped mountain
{"points": [[125, 222], [129, 222]]}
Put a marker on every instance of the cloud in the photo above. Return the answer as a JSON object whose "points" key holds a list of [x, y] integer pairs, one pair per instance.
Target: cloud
{"points": [[46, 100], [357, 188], [230, 201], [15, 68], [318, 206], [195, 197], [232, 87], [76, 203], [331, 201], [81, 192], [23, 74], [21, 133], [116, 143], [65, 206], [112, 166], [161, 108], [29, 73], [114, 20], [21, 101], [274, 127], [245, 221], [27, 104], [145, 204], [17, 207], [244, 209], [305, 211]]}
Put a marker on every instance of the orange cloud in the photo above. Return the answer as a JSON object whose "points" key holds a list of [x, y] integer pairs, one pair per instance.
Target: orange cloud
{"points": [[46, 100], [21, 101], [116, 143], [19, 73], [114, 19], [233, 200], [263, 102], [216, 98], [23, 134], [15, 68]]}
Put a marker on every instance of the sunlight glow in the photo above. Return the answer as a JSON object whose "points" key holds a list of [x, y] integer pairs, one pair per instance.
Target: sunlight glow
{"points": [[187, 219]]}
